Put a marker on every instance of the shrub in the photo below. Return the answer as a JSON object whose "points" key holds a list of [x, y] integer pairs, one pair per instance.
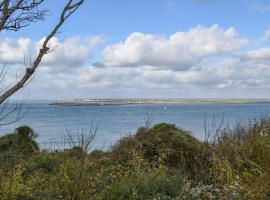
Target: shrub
{"points": [[17, 146], [177, 148], [245, 150], [45, 162], [162, 162], [144, 186], [21, 141]]}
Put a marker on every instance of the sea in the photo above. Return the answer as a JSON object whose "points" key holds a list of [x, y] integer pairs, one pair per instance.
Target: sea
{"points": [[54, 124]]}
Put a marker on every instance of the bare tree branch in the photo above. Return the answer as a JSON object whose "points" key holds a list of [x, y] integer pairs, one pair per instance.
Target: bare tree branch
{"points": [[11, 112], [16, 14], [69, 9]]}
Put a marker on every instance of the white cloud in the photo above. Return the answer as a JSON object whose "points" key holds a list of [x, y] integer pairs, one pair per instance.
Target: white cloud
{"points": [[95, 77], [180, 51], [14, 51], [263, 53], [201, 61], [67, 56], [71, 53], [147, 62], [245, 71]]}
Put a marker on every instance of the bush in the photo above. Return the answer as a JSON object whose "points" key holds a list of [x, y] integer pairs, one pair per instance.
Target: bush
{"points": [[162, 162], [145, 186], [17, 146], [21, 141], [244, 150], [177, 148]]}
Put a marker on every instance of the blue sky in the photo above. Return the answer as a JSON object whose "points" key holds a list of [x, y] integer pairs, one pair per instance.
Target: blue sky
{"points": [[119, 18], [121, 42]]}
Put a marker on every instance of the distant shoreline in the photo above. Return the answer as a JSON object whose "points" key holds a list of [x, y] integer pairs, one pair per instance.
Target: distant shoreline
{"points": [[109, 102]]}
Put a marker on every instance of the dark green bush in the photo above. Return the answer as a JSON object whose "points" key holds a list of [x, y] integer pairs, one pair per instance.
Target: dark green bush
{"points": [[162, 162], [21, 141], [177, 148], [144, 186], [45, 162], [17, 146]]}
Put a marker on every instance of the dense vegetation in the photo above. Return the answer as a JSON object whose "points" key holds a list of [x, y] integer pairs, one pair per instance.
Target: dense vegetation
{"points": [[162, 162]]}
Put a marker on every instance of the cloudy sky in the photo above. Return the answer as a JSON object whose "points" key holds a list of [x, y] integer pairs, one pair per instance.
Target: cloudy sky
{"points": [[147, 49]]}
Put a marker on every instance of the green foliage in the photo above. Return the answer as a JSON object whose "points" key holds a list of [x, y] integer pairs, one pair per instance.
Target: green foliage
{"points": [[21, 141], [45, 162], [177, 148], [12, 184], [162, 162], [245, 154], [17, 146], [142, 186]]}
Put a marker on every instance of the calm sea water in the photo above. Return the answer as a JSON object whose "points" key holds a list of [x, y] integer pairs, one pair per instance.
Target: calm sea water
{"points": [[114, 122]]}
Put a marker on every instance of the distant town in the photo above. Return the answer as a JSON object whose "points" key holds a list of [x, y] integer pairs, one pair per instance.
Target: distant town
{"points": [[103, 102]]}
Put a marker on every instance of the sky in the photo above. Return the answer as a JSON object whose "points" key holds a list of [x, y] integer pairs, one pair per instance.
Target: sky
{"points": [[146, 49]]}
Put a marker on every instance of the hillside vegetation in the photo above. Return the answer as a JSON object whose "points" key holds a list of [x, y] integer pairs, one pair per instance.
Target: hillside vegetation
{"points": [[162, 162]]}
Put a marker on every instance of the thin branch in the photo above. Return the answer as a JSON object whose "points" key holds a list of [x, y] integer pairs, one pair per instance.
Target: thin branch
{"points": [[16, 14], [69, 9]]}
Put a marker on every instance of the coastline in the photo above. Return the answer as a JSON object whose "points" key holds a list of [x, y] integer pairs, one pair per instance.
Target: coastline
{"points": [[110, 102]]}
